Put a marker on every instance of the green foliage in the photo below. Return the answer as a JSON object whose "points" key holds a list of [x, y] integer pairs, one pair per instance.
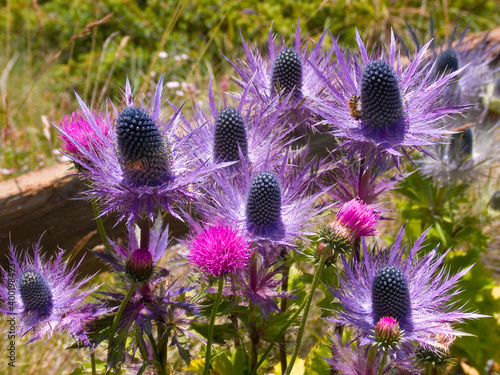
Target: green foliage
{"points": [[456, 221]]}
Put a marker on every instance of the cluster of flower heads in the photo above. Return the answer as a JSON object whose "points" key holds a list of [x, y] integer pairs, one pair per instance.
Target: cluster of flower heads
{"points": [[241, 169]]}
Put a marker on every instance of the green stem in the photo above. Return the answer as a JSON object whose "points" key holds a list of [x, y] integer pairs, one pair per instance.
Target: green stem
{"points": [[317, 274], [156, 355], [252, 316], [382, 363], [292, 319], [428, 368], [212, 324], [92, 361], [284, 289], [372, 356], [118, 316], [100, 226]]}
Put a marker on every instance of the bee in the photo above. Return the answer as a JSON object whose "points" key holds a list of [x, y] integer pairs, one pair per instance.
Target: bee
{"points": [[354, 109], [136, 165]]}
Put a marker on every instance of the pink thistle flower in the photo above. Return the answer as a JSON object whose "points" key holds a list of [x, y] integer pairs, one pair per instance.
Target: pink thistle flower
{"points": [[355, 219], [79, 133], [219, 249]]}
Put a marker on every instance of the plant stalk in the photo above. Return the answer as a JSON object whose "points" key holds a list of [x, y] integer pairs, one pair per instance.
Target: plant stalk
{"points": [[317, 274], [212, 324], [118, 316], [100, 226], [382, 363], [283, 306], [92, 361], [252, 317]]}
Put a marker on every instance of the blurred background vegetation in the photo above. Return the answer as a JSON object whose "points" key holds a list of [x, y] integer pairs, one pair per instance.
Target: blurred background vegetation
{"points": [[52, 48]]}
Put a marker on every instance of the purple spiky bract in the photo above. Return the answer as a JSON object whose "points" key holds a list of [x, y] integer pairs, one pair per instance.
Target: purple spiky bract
{"points": [[219, 250], [424, 313], [130, 258], [272, 227], [290, 69], [47, 297]]}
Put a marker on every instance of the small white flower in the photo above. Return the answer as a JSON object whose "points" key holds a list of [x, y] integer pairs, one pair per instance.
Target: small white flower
{"points": [[179, 93], [177, 58], [173, 85], [162, 55]]}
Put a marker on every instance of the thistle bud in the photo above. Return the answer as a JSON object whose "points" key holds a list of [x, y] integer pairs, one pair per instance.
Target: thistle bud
{"points": [[139, 266], [387, 333]]}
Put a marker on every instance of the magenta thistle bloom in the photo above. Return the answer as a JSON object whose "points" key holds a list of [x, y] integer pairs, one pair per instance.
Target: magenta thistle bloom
{"points": [[47, 297], [286, 72], [377, 104], [147, 165], [414, 291], [355, 217], [79, 133], [219, 249]]}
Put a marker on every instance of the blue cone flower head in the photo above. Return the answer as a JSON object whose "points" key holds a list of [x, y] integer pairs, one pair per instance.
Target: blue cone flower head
{"points": [[271, 203], [467, 155], [137, 263], [47, 297], [287, 72], [415, 291], [379, 105], [241, 131], [147, 165]]}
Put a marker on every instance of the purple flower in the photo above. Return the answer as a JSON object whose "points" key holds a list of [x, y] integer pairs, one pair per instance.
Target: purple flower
{"points": [[352, 358], [474, 58], [219, 249], [376, 104], [289, 73], [396, 283], [47, 297], [271, 203], [146, 165], [246, 128], [137, 263]]}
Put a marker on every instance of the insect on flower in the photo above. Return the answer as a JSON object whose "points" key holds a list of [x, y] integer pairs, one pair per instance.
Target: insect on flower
{"points": [[354, 109]]}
